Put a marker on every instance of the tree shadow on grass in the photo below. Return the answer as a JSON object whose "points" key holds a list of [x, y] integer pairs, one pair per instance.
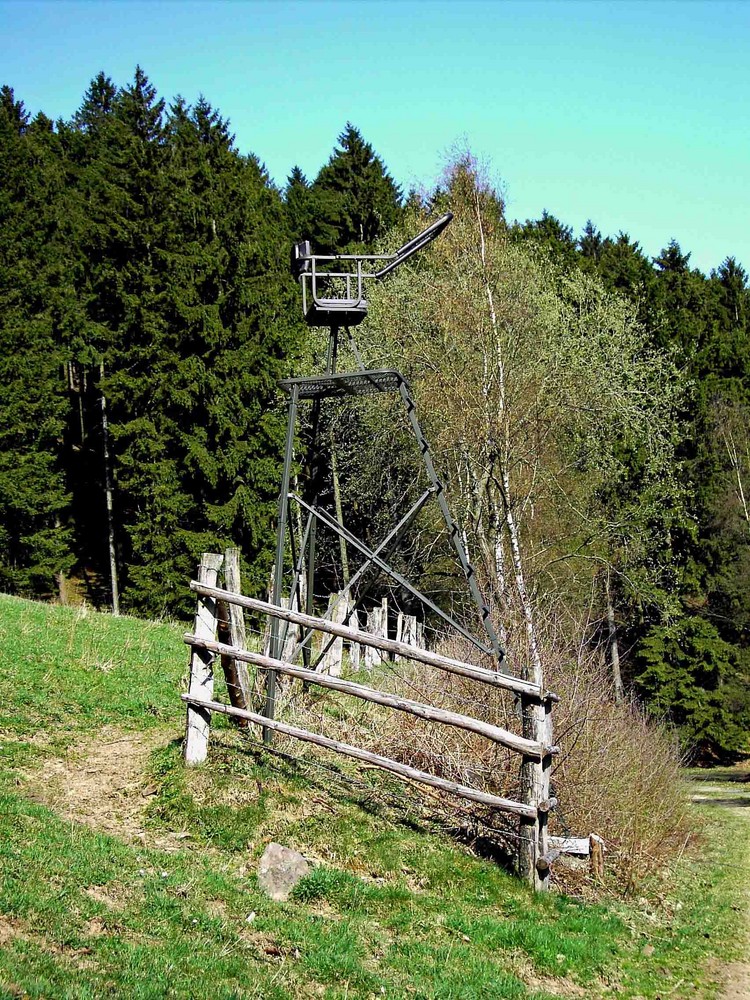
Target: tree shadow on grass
{"points": [[728, 803]]}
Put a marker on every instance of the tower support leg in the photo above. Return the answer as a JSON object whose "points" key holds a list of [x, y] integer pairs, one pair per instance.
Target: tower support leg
{"points": [[278, 573]]}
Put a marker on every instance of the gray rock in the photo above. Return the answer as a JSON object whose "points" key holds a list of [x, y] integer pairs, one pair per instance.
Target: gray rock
{"points": [[280, 870]]}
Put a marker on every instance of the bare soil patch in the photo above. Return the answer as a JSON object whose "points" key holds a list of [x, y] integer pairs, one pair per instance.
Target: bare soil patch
{"points": [[113, 897], [738, 982], [11, 930], [102, 783]]}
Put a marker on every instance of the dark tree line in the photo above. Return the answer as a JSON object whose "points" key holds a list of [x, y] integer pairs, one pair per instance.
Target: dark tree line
{"points": [[143, 272], [147, 312]]}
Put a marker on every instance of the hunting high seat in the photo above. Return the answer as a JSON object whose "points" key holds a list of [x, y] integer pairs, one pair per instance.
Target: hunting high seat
{"points": [[333, 285]]}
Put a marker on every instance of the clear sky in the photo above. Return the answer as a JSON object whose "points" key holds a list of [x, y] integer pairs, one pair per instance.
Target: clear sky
{"points": [[633, 114]]}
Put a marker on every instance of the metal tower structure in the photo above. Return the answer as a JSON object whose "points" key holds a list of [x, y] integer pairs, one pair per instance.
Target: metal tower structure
{"points": [[334, 296]]}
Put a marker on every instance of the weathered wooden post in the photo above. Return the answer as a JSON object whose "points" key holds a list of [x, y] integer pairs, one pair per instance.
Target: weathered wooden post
{"points": [[232, 632], [419, 639], [355, 650], [533, 847], [408, 631], [201, 670], [334, 654], [288, 632], [373, 656]]}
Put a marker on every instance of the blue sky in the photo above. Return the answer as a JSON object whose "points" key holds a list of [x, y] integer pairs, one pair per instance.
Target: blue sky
{"points": [[633, 114]]}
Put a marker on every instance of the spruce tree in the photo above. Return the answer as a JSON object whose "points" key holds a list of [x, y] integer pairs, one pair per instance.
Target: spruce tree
{"points": [[35, 539], [355, 194], [230, 306]]}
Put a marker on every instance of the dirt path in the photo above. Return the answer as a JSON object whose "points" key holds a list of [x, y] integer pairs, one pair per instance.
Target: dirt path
{"points": [[103, 784], [730, 789]]}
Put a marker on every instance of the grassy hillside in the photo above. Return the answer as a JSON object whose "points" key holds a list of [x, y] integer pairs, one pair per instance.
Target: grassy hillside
{"points": [[124, 875]]}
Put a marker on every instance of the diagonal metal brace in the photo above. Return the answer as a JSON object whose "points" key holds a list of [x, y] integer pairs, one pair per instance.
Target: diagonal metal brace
{"points": [[339, 528], [392, 536]]}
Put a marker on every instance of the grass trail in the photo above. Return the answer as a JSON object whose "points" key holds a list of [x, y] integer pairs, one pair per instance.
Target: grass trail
{"points": [[727, 791]]}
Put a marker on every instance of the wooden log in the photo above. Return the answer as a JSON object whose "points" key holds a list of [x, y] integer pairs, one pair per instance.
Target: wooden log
{"points": [[384, 763], [491, 677], [198, 722], [544, 863], [546, 805], [422, 711]]}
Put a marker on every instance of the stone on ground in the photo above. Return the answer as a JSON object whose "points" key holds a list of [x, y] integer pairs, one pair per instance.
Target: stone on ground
{"points": [[280, 870]]}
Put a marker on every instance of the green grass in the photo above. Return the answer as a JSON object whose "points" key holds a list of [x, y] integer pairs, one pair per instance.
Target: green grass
{"points": [[391, 908]]}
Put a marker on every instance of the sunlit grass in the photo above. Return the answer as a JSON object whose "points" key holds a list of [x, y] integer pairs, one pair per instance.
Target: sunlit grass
{"points": [[392, 906]]}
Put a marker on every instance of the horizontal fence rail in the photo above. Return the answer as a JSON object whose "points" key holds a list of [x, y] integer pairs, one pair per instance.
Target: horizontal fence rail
{"points": [[528, 748], [385, 763], [445, 663]]}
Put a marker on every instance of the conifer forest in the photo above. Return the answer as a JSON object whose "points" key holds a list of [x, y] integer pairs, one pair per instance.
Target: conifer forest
{"points": [[589, 406]]}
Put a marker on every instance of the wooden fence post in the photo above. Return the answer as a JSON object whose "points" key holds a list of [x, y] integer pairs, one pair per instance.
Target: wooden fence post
{"points": [[201, 671], [533, 843], [332, 660], [288, 632], [419, 639], [373, 657], [232, 632], [355, 650]]}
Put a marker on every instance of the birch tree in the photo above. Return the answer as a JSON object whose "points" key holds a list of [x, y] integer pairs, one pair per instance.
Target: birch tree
{"points": [[534, 385]]}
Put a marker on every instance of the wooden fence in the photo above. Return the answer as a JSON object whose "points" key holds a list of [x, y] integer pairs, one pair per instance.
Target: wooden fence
{"points": [[210, 639]]}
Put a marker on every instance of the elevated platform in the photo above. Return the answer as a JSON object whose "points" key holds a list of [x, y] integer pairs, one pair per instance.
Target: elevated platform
{"points": [[336, 312], [361, 383]]}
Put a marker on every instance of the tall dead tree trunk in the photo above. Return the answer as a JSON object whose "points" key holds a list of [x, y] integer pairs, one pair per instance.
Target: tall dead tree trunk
{"points": [[613, 645], [114, 588]]}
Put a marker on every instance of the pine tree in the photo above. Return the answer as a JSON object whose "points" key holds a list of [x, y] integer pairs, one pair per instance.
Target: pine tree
{"points": [[299, 204], [122, 234], [231, 308], [591, 243]]}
